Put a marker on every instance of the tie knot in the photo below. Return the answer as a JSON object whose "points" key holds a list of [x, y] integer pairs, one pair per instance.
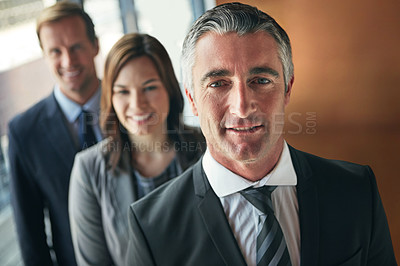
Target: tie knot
{"points": [[260, 198], [85, 115]]}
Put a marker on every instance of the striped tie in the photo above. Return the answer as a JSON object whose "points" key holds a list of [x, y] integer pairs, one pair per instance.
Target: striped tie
{"points": [[271, 245]]}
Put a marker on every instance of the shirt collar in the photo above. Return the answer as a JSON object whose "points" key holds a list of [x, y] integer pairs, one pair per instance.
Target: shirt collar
{"points": [[71, 109], [224, 182]]}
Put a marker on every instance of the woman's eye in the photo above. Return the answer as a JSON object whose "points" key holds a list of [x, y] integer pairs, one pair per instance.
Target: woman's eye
{"points": [[122, 92], [150, 88]]}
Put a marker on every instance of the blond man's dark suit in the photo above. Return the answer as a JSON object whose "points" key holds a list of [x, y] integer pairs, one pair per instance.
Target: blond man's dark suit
{"points": [[41, 153]]}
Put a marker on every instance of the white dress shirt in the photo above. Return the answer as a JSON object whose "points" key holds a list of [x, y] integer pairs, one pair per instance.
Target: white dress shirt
{"points": [[72, 110], [243, 217]]}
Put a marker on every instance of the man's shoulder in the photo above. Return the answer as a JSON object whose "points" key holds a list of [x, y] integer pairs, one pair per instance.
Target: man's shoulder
{"points": [[27, 120], [328, 167], [191, 139], [190, 147]]}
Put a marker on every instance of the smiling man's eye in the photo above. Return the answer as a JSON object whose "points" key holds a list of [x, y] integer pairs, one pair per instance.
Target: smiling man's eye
{"points": [[54, 52], [262, 81], [76, 47], [217, 84]]}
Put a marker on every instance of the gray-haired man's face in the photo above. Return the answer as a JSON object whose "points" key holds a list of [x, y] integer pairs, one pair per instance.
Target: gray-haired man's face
{"points": [[239, 96]]}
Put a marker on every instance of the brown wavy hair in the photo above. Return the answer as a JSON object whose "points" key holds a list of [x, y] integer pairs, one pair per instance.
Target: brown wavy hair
{"points": [[129, 47]]}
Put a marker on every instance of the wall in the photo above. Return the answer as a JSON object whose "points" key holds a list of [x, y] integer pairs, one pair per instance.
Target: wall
{"points": [[345, 99], [21, 87]]}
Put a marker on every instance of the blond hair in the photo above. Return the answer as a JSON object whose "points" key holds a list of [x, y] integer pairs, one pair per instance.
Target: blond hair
{"points": [[62, 10]]}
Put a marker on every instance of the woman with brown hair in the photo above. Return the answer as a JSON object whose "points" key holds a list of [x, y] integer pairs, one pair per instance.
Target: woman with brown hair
{"points": [[146, 145]]}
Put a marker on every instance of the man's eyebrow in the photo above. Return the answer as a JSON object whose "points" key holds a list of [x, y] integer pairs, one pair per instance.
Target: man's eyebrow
{"points": [[215, 73], [264, 70]]}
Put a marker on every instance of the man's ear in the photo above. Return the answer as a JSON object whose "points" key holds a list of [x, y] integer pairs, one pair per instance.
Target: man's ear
{"points": [[96, 46], [191, 101], [289, 91]]}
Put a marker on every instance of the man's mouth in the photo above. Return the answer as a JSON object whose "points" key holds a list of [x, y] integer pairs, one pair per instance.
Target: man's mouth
{"points": [[71, 74], [248, 129]]}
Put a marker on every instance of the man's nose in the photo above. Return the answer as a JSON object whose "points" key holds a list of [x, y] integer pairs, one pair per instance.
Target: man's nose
{"points": [[68, 59], [242, 100]]}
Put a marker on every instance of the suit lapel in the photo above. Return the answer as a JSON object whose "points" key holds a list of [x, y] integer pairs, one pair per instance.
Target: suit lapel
{"points": [[308, 209], [57, 133], [121, 189], [215, 220]]}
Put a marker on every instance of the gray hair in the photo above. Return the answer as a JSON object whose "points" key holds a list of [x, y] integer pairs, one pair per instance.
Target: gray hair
{"points": [[239, 18]]}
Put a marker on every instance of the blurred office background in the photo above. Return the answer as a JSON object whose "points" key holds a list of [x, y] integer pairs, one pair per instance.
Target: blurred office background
{"points": [[345, 99]]}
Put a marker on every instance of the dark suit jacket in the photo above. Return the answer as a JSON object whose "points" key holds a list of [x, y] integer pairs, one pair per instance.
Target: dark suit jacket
{"points": [[41, 153], [342, 220]]}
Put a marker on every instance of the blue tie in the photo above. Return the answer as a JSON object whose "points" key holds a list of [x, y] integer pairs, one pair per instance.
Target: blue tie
{"points": [[271, 244], [86, 133]]}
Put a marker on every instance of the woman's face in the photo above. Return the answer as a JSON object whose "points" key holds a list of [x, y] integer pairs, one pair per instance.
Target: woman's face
{"points": [[140, 99]]}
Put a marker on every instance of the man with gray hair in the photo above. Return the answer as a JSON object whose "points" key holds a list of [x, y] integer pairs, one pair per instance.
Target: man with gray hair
{"points": [[253, 199]]}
